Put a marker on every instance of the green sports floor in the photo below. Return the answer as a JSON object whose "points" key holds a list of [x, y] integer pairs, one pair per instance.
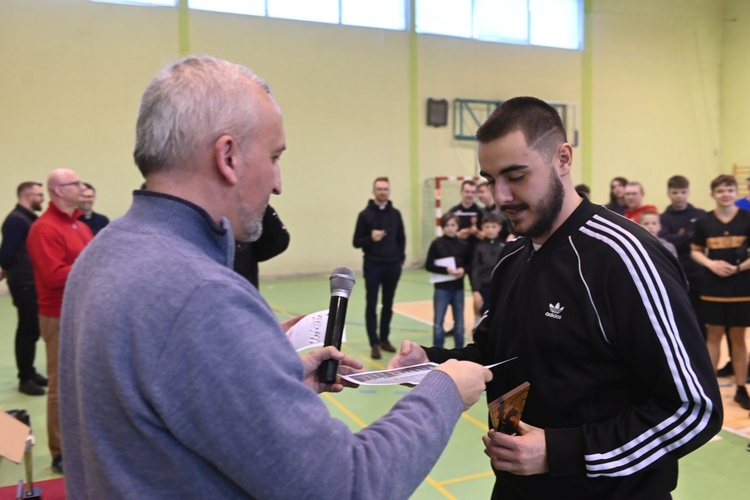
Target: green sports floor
{"points": [[719, 470]]}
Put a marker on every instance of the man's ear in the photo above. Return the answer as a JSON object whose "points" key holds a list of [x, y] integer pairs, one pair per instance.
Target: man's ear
{"points": [[225, 158], [565, 158]]}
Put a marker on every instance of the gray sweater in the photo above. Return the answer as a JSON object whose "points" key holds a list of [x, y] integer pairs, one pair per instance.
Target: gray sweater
{"points": [[176, 381]]}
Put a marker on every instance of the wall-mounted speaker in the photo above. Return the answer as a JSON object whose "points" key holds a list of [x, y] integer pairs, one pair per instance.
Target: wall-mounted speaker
{"points": [[437, 112]]}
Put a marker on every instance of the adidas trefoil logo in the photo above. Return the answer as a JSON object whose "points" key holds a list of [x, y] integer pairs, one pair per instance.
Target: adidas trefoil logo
{"points": [[554, 311]]}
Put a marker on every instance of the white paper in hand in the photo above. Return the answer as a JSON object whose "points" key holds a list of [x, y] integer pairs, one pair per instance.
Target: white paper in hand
{"points": [[310, 331], [449, 262]]}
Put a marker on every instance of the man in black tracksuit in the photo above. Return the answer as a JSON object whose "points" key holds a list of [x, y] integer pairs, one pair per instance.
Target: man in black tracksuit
{"points": [[380, 234], [596, 310]]}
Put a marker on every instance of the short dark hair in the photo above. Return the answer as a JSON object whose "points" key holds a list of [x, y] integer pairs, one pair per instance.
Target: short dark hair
{"points": [[723, 179], [446, 218], [539, 122], [491, 217], [678, 182], [583, 190], [25, 186], [468, 181]]}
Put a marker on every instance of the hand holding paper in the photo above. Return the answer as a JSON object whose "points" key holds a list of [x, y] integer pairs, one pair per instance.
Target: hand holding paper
{"points": [[347, 365]]}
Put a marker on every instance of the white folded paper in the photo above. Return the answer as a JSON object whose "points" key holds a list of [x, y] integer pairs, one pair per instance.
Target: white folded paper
{"points": [[310, 331]]}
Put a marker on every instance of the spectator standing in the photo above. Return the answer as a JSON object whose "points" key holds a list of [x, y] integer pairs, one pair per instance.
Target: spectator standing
{"points": [[720, 245], [678, 228], [469, 214], [744, 203], [469, 229], [634, 193], [449, 292], [650, 221], [54, 243], [617, 195], [380, 234], [486, 255], [273, 241], [95, 221], [15, 265], [583, 191], [484, 193]]}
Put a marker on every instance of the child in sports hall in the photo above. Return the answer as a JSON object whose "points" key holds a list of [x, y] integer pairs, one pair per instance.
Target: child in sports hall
{"points": [[720, 245], [446, 257], [486, 254], [650, 221]]}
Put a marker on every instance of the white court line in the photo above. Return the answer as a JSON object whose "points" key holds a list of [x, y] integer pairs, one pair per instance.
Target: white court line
{"points": [[745, 433], [415, 318]]}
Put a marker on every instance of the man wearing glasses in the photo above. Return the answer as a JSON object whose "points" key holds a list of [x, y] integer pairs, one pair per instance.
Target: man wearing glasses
{"points": [[55, 241], [16, 266]]}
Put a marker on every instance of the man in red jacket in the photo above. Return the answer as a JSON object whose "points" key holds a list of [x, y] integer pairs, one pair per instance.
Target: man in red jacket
{"points": [[54, 242], [634, 200]]}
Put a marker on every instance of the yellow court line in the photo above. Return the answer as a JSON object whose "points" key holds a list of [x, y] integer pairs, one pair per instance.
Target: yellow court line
{"points": [[473, 420], [282, 311], [440, 488], [359, 422], [346, 411], [468, 478]]}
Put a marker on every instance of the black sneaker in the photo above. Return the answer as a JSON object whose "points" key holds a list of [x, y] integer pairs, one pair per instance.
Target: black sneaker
{"points": [[40, 380], [30, 388], [741, 397], [57, 464], [726, 371]]}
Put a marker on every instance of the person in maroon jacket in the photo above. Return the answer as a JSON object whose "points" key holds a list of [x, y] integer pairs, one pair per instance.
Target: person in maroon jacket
{"points": [[55, 240]]}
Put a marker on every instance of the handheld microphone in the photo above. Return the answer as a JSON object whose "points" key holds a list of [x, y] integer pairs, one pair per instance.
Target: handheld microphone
{"points": [[342, 282]]}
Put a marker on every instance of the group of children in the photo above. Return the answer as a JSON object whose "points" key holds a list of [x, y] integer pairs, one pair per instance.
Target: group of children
{"points": [[479, 259], [711, 247]]}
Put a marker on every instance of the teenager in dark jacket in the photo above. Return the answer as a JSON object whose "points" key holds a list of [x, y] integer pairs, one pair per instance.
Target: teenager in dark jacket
{"points": [[678, 228], [486, 255]]}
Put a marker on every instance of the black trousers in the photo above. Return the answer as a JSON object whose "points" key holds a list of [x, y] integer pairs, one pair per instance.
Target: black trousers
{"points": [[27, 333], [376, 276]]}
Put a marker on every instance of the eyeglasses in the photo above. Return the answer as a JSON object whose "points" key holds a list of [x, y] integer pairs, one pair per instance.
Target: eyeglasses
{"points": [[75, 183]]}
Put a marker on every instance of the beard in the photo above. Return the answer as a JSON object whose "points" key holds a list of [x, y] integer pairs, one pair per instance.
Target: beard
{"points": [[36, 206], [251, 223], [547, 210]]}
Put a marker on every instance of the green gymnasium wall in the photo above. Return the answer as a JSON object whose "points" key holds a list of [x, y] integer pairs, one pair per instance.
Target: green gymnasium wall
{"points": [[663, 84]]}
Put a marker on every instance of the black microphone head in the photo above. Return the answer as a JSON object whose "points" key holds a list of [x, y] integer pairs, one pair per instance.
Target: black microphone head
{"points": [[342, 282]]}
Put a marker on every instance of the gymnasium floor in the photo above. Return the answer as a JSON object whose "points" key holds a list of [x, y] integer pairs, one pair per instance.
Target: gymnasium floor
{"points": [[720, 469]]}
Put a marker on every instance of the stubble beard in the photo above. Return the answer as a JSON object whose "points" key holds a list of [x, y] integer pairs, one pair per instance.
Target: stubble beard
{"points": [[251, 223], [547, 211]]}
